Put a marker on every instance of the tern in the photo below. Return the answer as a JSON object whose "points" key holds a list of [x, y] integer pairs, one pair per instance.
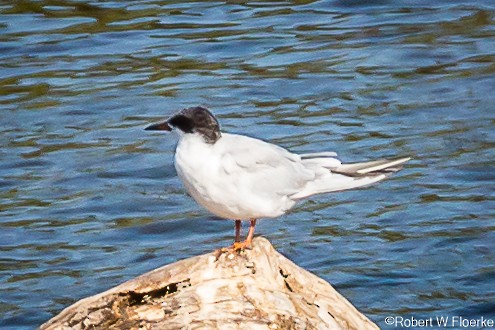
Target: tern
{"points": [[242, 178]]}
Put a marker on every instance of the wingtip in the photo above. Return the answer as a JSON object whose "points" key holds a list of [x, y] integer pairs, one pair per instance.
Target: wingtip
{"points": [[392, 165]]}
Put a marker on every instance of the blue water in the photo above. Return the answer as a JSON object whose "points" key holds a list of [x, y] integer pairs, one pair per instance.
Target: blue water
{"points": [[89, 200]]}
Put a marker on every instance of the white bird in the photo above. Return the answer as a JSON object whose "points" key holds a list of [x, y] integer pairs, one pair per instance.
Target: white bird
{"points": [[239, 177]]}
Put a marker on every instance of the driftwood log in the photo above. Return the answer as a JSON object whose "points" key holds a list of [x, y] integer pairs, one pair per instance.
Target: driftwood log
{"points": [[256, 289]]}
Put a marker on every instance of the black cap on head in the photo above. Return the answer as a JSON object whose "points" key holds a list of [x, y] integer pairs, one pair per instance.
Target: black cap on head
{"points": [[193, 120]]}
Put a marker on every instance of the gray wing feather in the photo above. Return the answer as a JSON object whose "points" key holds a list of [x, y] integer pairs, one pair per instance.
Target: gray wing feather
{"points": [[369, 168]]}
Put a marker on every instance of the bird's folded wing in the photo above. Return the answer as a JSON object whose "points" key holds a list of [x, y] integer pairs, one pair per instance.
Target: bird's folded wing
{"points": [[266, 165], [253, 154]]}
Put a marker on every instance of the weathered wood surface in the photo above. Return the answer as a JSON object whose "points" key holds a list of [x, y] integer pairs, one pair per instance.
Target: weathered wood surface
{"points": [[256, 289]]}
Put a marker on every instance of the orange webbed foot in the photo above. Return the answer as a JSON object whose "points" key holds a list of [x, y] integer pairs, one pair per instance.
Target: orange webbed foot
{"points": [[239, 246]]}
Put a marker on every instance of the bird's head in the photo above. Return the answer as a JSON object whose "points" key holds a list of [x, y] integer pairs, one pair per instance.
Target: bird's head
{"points": [[192, 120]]}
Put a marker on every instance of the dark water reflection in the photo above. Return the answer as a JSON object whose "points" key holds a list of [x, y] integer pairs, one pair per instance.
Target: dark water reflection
{"points": [[88, 199]]}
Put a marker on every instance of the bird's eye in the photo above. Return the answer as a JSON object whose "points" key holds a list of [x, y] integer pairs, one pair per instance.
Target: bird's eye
{"points": [[183, 123]]}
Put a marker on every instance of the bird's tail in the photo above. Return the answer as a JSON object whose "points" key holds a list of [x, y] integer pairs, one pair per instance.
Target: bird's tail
{"points": [[337, 177]]}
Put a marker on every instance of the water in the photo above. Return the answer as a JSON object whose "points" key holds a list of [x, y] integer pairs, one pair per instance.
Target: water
{"points": [[88, 199]]}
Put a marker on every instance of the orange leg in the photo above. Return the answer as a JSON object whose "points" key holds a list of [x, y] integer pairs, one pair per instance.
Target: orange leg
{"points": [[250, 235], [237, 231], [247, 243]]}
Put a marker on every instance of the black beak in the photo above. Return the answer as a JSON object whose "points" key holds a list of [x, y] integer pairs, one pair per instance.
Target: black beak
{"points": [[159, 127]]}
